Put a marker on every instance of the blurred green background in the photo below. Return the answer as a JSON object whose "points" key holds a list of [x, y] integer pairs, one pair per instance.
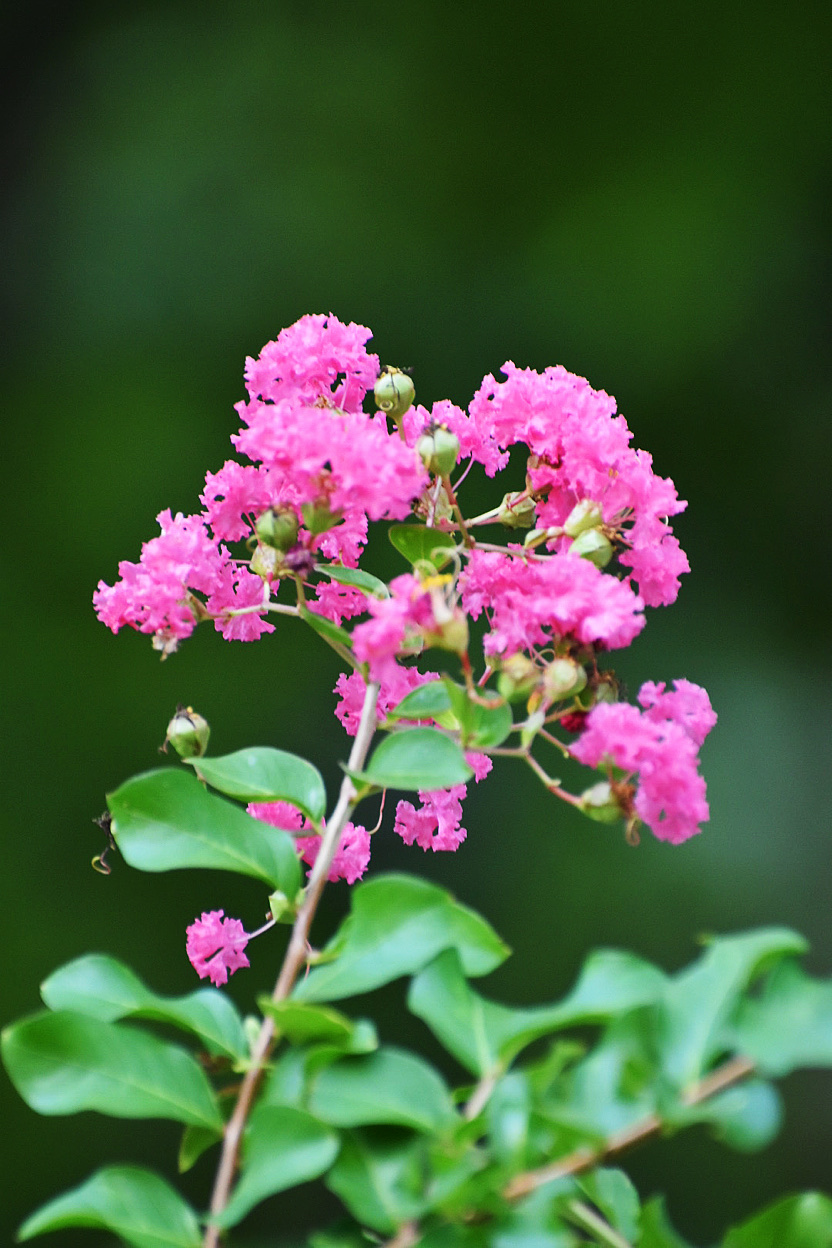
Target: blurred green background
{"points": [[640, 192]]}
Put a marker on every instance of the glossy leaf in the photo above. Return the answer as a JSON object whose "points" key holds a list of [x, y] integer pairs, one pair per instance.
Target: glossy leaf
{"points": [[379, 1179], [484, 1035], [283, 1147], [302, 1023], [64, 1062], [612, 1192], [356, 577], [102, 987], [333, 633], [389, 1086], [420, 544], [746, 1117], [417, 758], [803, 1221], [262, 774], [397, 925], [481, 727], [135, 1204], [195, 1141], [788, 1026], [166, 819], [656, 1231], [507, 1117], [699, 1001], [425, 702]]}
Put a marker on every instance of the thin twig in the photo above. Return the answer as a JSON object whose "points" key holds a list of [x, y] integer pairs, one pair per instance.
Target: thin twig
{"points": [[293, 960], [585, 1216]]}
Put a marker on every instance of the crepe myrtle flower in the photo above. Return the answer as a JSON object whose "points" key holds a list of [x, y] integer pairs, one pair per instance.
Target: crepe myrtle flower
{"points": [[215, 946]]}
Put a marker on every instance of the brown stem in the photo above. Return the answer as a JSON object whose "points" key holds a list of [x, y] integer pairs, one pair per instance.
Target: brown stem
{"points": [[460, 519], [293, 961]]}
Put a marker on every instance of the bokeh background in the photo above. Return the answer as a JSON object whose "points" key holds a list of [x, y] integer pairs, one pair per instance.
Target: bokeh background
{"points": [[638, 191]]}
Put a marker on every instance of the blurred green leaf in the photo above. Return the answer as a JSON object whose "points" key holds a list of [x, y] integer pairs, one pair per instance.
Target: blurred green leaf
{"points": [[165, 819], [65, 1062], [283, 1147], [398, 923], [611, 1191], [389, 1086], [788, 1026], [507, 1115], [195, 1141], [379, 1178], [656, 1231], [262, 774], [746, 1117], [803, 1221], [102, 987], [356, 577], [338, 637], [302, 1023], [132, 1203], [426, 702], [420, 544], [416, 758], [481, 727]]}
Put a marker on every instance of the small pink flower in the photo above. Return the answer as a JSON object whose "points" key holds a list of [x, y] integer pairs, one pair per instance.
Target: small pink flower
{"points": [[436, 824], [215, 946], [351, 859], [278, 814]]}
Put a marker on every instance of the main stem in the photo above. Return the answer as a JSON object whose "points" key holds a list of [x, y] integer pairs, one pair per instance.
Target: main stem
{"points": [[293, 961]]}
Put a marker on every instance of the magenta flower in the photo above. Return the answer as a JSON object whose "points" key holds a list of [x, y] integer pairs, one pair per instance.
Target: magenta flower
{"points": [[215, 946], [351, 858], [398, 682], [436, 824]]}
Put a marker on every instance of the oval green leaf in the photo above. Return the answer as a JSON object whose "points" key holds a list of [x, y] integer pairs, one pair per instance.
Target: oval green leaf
{"points": [[165, 820], [426, 702], [389, 1086], [356, 577], [64, 1062], [262, 774], [132, 1203], [416, 758], [420, 544]]}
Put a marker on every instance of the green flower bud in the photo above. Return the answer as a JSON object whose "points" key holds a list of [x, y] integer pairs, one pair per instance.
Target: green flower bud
{"points": [[266, 562], [439, 449], [594, 546], [517, 678], [188, 733], [278, 527], [538, 536], [532, 727], [563, 678], [517, 515], [599, 803], [394, 392], [585, 515], [318, 518], [452, 633]]}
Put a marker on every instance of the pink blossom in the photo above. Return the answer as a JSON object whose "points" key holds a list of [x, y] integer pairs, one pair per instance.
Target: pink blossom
{"points": [[232, 494], [398, 682], [407, 613], [318, 356], [351, 858], [153, 594], [533, 600], [436, 824], [658, 745], [473, 441], [278, 814], [338, 602], [239, 588], [215, 946]]}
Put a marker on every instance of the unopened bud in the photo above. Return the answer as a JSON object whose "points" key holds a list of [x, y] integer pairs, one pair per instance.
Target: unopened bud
{"points": [[188, 733], [394, 392], [517, 510], [266, 562], [278, 527], [599, 803], [563, 678], [517, 678], [594, 546], [439, 450], [584, 515], [538, 536], [318, 518], [451, 633]]}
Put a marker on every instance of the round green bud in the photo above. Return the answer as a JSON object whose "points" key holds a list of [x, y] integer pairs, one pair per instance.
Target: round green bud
{"points": [[519, 514], [599, 803], [585, 515], [394, 392], [439, 449], [517, 678], [594, 546], [278, 527], [188, 733], [266, 562], [563, 678]]}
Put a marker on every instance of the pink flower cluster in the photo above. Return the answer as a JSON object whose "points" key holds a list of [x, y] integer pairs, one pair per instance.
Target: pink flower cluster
{"points": [[352, 856], [215, 946], [659, 745]]}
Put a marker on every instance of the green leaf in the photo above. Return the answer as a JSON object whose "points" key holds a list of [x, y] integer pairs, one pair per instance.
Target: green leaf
{"points": [[612, 1192], [425, 702], [132, 1203], [416, 758], [481, 727], [64, 1062], [803, 1221], [484, 1035], [746, 1117], [261, 774], [302, 1023], [379, 1179], [389, 1086], [166, 819], [420, 544], [356, 577], [102, 987], [283, 1147], [699, 1001], [398, 924], [338, 637], [788, 1026], [656, 1231], [507, 1117], [195, 1141]]}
